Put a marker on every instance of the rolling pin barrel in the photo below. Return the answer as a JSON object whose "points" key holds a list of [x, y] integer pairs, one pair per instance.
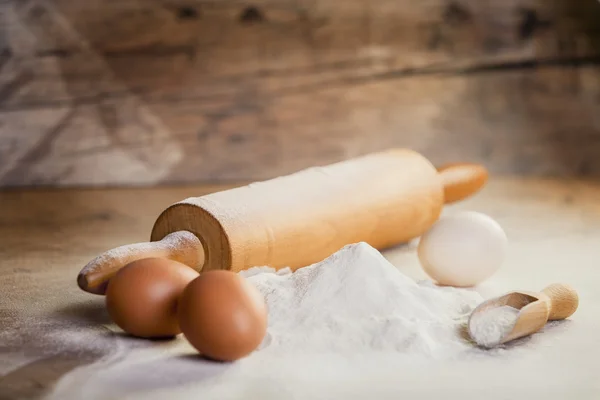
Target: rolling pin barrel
{"points": [[292, 221]]}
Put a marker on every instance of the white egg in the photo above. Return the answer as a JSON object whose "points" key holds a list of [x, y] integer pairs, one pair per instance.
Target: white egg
{"points": [[463, 249]]}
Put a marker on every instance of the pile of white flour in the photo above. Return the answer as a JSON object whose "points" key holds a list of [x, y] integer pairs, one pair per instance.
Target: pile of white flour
{"points": [[356, 301]]}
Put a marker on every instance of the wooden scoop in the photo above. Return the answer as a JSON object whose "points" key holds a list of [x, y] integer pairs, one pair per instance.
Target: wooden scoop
{"points": [[382, 199], [555, 302]]}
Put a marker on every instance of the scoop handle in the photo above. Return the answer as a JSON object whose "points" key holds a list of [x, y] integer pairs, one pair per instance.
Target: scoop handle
{"points": [[181, 246], [564, 300], [461, 180]]}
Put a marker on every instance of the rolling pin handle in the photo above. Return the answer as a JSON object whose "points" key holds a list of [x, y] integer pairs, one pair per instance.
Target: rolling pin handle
{"points": [[181, 246], [461, 180]]}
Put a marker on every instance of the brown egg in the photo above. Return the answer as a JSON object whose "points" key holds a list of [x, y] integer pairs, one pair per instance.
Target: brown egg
{"points": [[222, 315], [142, 297]]}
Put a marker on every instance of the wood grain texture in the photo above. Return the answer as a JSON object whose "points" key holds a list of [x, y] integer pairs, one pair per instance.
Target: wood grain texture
{"points": [[47, 328], [143, 92]]}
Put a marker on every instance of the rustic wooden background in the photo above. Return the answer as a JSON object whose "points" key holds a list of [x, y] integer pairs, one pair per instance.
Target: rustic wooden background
{"points": [[134, 92]]}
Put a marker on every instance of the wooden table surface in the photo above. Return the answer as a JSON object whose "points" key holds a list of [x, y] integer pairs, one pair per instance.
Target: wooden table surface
{"points": [[48, 327]]}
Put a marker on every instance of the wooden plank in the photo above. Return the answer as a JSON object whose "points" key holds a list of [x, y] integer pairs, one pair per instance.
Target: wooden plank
{"points": [[48, 326], [138, 92], [531, 122], [67, 48]]}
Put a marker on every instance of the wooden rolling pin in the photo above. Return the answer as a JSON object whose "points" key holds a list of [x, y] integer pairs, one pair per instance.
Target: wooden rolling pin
{"points": [[383, 199]]}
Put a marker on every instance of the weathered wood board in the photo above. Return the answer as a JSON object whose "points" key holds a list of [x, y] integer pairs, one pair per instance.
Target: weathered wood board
{"points": [[49, 327], [131, 92]]}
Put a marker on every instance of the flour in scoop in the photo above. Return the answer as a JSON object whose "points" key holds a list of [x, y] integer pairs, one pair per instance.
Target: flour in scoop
{"points": [[488, 327], [355, 302]]}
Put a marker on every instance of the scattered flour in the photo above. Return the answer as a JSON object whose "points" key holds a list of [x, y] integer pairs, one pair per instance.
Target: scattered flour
{"points": [[356, 301], [488, 327]]}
